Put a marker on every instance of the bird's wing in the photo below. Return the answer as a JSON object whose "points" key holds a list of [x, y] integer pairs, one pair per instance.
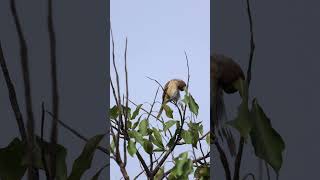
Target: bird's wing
{"points": [[165, 91]]}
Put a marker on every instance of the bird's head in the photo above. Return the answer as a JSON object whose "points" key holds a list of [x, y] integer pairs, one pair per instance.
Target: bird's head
{"points": [[181, 85]]}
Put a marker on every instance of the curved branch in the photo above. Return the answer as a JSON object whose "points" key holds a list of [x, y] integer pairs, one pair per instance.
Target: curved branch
{"points": [[13, 97]]}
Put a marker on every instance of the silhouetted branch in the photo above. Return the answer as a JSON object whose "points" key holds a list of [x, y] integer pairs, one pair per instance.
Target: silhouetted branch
{"points": [[127, 102], [252, 49], [12, 96], [55, 93], [76, 133], [224, 160], [43, 157], [33, 173]]}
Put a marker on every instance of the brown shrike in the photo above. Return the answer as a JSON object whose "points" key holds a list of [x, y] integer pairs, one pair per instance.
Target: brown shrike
{"points": [[171, 92], [224, 72]]}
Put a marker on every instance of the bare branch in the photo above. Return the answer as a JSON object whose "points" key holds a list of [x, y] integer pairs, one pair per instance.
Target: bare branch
{"points": [[55, 92], [76, 133], [127, 96], [44, 162], [252, 49], [13, 97], [33, 173]]}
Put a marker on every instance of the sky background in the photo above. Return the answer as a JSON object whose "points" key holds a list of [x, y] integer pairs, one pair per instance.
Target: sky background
{"points": [[158, 33]]}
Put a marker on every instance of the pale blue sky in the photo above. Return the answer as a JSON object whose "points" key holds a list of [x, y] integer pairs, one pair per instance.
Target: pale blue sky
{"points": [[158, 34]]}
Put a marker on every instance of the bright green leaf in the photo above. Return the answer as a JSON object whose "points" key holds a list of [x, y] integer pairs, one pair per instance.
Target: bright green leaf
{"points": [[137, 136], [136, 112], [158, 138], [168, 125], [131, 148], [193, 106], [168, 110], [183, 167], [143, 127], [186, 136]]}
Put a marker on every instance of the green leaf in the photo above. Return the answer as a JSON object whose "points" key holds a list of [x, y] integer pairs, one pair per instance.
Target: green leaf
{"points": [[202, 173], [114, 112], [148, 146], [186, 136], [42, 148], [186, 98], [193, 106], [83, 162], [168, 110], [208, 138], [158, 138], [195, 129], [159, 174], [267, 143], [137, 136], [136, 112], [168, 125], [159, 150], [96, 176], [126, 110], [11, 167], [112, 146], [242, 122], [61, 154], [143, 127], [136, 123], [131, 148], [183, 167]]}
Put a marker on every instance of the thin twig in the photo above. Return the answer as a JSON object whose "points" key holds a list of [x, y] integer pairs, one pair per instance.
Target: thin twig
{"points": [[252, 49], [127, 96], [13, 97], [224, 160], [76, 133], [43, 157], [33, 173], [267, 168], [55, 92]]}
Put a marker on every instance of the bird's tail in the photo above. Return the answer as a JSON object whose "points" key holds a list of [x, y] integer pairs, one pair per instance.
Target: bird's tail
{"points": [[224, 131], [221, 109], [218, 112]]}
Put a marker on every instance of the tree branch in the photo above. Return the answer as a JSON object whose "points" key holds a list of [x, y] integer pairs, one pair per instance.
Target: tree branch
{"points": [[55, 93], [33, 173], [252, 49], [13, 97]]}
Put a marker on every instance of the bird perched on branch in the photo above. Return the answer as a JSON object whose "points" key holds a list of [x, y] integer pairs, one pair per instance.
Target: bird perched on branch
{"points": [[224, 73], [171, 92]]}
